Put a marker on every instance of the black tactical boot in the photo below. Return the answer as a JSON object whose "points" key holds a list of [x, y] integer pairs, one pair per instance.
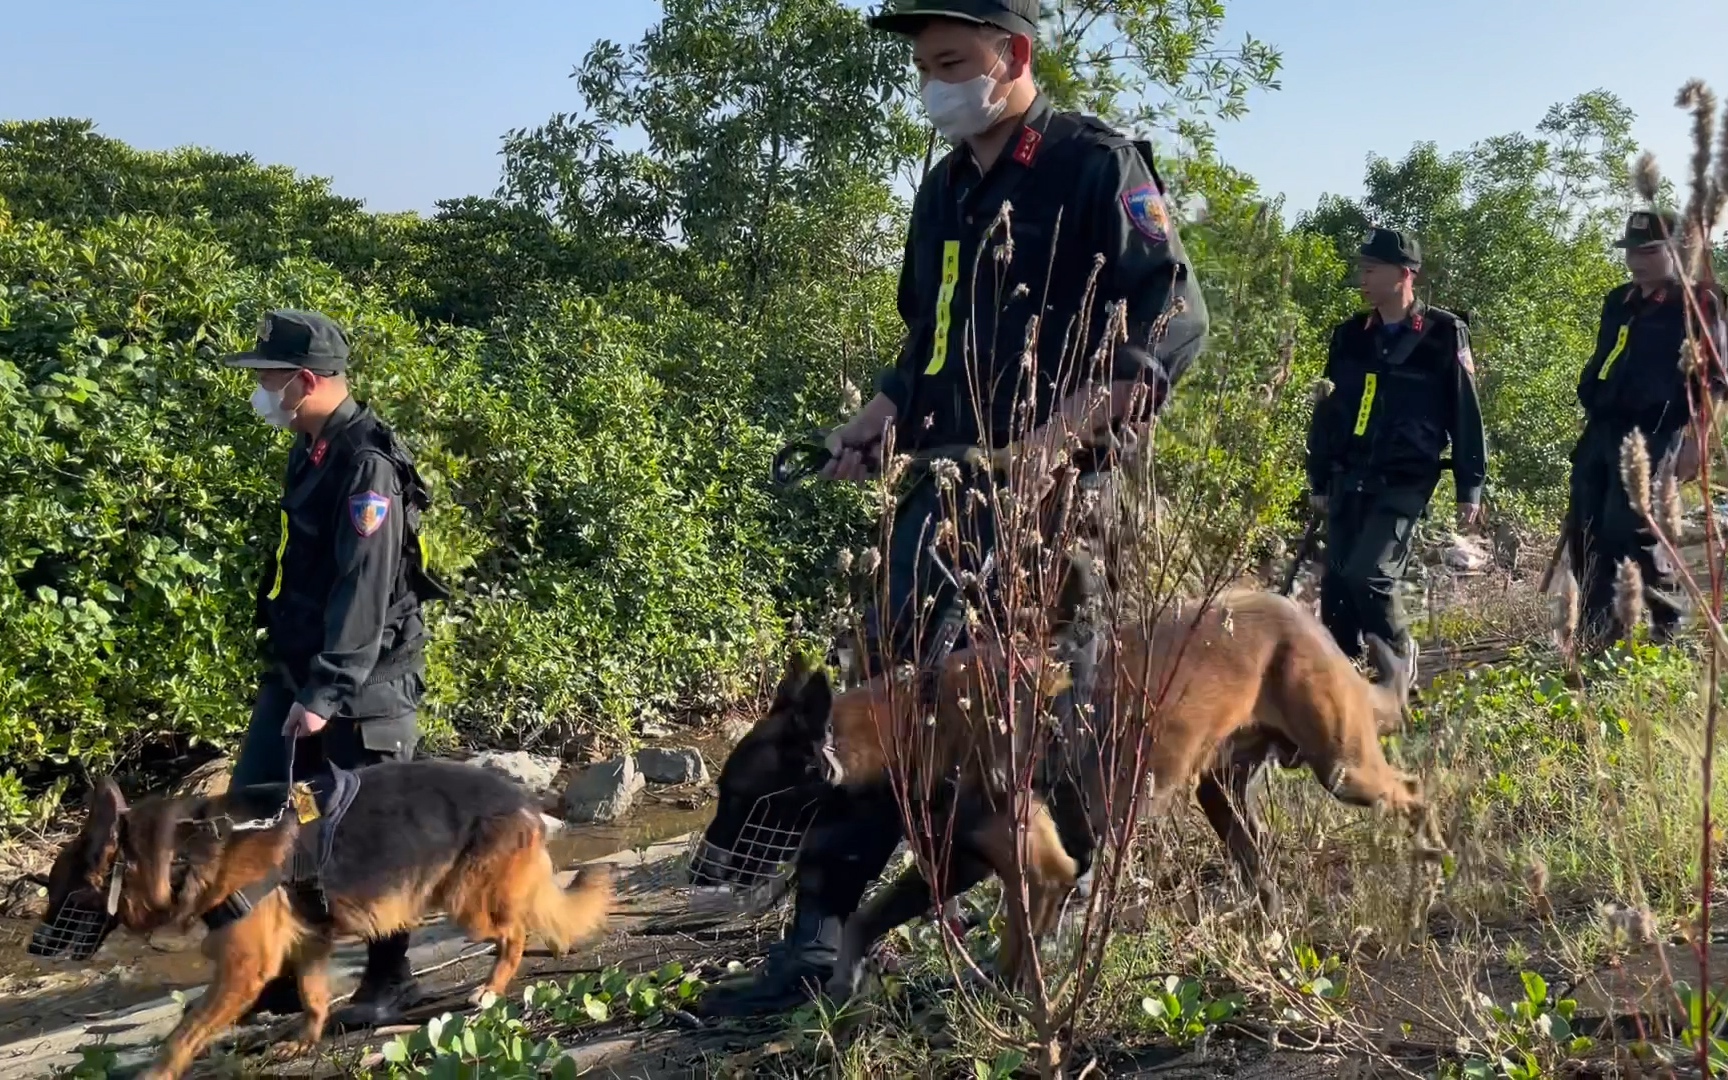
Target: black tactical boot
{"points": [[280, 997], [794, 972], [387, 987]]}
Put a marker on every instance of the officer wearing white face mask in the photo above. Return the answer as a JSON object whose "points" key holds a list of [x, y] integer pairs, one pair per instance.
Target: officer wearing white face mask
{"points": [[339, 602], [1086, 211], [1091, 240]]}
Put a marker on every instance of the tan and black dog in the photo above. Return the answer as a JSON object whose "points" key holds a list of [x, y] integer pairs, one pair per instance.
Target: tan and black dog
{"points": [[415, 838], [1194, 704]]}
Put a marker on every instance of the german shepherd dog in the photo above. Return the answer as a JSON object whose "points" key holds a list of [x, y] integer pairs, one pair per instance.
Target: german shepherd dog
{"points": [[417, 837], [1200, 703]]}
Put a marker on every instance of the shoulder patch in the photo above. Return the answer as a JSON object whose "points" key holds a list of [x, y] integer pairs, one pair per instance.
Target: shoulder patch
{"points": [[1466, 360], [1145, 208], [368, 511]]}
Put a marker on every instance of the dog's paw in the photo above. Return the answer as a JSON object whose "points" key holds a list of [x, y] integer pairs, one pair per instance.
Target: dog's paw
{"points": [[292, 1049]]}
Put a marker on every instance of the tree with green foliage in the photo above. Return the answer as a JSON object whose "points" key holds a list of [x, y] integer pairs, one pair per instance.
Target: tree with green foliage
{"points": [[595, 363]]}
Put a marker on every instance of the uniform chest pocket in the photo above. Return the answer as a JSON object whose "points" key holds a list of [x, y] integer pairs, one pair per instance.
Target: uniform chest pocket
{"points": [[303, 511], [1409, 391]]}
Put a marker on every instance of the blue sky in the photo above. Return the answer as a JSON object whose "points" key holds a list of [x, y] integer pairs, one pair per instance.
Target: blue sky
{"points": [[404, 104]]}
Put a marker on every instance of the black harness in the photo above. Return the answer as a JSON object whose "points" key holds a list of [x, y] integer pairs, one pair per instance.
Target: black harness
{"points": [[318, 805]]}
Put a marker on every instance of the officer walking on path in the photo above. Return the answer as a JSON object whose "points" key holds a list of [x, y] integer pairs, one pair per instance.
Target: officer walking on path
{"points": [[1403, 385], [1084, 199], [1636, 379], [340, 603]]}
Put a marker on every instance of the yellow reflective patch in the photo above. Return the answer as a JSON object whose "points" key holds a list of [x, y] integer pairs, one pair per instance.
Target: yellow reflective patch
{"points": [[424, 562], [945, 305], [281, 550], [1614, 353], [1369, 385]]}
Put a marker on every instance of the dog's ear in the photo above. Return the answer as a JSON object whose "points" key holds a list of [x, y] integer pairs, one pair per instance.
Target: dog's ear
{"points": [[799, 668], [105, 802], [812, 705], [100, 837], [106, 805]]}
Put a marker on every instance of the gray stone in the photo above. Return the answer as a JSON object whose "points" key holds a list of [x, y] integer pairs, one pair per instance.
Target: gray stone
{"points": [[532, 771], [602, 793], [734, 730], [672, 765]]}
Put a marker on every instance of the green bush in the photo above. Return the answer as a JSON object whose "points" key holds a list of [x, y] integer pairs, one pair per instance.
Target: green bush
{"points": [[599, 469]]}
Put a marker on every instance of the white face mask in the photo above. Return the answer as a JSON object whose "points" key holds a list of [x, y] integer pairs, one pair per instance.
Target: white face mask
{"points": [[962, 110], [268, 404]]}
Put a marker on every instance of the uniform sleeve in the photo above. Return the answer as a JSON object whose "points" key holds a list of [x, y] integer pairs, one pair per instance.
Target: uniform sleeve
{"points": [[1321, 426], [367, 548], [1606, 328], [897, 382], [1469, 439], [1146, 267]]}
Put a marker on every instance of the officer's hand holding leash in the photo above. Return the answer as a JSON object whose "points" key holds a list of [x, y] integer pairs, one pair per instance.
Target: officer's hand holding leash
{"points": [[303, 723]]}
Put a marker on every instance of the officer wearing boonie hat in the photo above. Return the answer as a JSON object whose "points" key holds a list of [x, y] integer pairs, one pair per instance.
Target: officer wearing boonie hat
{"points": [[339, 602], [1085, 200], [1403, 386], [1635, 380]]}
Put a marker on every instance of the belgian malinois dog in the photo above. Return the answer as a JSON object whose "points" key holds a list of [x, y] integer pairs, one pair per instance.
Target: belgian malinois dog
{"points": [[1198, 702]]}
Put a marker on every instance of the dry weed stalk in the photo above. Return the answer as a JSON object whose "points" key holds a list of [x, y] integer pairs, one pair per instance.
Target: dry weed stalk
{"points": [[1039, 515], [1700, 362]]}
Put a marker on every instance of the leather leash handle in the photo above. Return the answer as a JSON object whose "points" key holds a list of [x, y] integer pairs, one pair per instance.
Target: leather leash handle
{"points": [[801, 459]]}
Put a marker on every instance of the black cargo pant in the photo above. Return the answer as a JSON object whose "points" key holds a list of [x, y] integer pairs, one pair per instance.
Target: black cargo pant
{"points": [[854, 836], [1369, 529], [1606, 529], [347, 744]]}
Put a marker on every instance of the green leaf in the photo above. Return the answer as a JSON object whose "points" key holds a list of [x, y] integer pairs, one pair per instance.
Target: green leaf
{"points": [[595, 1008], [1535, 988]]}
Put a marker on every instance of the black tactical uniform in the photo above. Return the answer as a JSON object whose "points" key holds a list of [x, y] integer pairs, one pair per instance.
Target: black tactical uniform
{"points": [[1375, 447], [340, 606], [971, 286], [1077, 190], [1633, 381]]}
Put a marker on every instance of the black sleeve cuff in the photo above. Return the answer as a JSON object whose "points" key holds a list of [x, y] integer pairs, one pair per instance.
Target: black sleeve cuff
{"points": [[893, 384]]}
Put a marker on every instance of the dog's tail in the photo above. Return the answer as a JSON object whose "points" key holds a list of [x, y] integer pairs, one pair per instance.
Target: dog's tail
{"points": [[566, 917]]}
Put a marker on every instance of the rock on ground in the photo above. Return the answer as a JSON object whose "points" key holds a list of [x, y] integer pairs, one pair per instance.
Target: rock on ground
{"points": [[602, 793], [734, 729], [533, 771], [672, 765], [206, 781]]}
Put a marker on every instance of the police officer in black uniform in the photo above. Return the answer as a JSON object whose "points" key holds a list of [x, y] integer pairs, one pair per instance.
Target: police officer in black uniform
{"points": [[1084, 200], [340, 603], [1403, 385], [1635, 380]]}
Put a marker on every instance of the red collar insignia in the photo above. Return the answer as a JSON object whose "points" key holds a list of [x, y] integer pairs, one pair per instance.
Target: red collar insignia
{"points": [[1416, 322], [1027, 149], [319, 449]]}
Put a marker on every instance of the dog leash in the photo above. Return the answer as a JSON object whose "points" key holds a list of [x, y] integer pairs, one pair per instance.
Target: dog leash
{"points": [[298, 799]]}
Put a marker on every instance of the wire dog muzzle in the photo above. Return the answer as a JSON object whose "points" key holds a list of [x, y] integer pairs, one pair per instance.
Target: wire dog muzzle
{"points": [[82, 923], [760, 853]]}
